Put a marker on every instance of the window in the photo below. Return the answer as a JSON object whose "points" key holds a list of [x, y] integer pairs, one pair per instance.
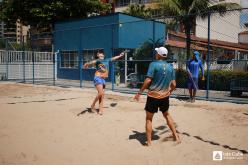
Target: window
{"points": [[89, 55], [69, 59]]}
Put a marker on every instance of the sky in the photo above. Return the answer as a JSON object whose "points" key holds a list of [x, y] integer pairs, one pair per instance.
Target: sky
{"points": [[244, 14], [244, 3]]}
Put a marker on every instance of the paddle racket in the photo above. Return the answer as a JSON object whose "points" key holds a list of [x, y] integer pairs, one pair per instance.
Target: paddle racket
{"points": [[125, 51], [191, 79]]}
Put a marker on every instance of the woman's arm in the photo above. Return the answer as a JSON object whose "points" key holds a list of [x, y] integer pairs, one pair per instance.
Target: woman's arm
{"points": [[86, 65], [119, 56]]}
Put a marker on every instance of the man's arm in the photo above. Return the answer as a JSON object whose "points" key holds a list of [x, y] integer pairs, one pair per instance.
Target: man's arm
{"points": [[173, 82], [86, 65], [202, 70], [173, 86], [145, 85]]}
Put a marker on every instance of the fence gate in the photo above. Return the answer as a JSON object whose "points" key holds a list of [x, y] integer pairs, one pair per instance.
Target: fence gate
{"points": [[27, 66]]}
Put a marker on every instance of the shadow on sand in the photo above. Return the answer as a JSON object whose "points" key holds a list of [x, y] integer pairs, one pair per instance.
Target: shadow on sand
{"points": [[214, 143], [141, 136], [87, 110]]}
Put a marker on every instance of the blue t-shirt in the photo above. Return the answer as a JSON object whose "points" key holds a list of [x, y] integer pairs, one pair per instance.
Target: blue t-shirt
{"points": [[102, 68], [162, 74], [194, 66]]}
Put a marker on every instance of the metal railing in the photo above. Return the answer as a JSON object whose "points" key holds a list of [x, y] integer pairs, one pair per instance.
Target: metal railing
{"points": [[225, 60]]}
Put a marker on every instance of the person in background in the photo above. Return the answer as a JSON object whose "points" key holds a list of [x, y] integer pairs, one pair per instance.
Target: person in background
{"points": [[193, 66]]}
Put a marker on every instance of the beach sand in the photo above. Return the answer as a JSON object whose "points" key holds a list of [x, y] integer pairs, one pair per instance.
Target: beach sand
{"points": [[42, 125]]}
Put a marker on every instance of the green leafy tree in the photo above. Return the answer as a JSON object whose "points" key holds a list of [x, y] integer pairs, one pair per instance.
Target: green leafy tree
{"points": [[138, 11], [145, 52], [46, 12], [2, 44], [187, 11], [1, 10]]}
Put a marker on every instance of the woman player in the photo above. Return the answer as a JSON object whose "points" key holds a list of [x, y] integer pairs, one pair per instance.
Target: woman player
{"points": [[102, 68]]}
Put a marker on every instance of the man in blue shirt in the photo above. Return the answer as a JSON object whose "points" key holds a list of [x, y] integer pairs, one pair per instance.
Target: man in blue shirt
{"points": [[160, 82], [193, 66]]}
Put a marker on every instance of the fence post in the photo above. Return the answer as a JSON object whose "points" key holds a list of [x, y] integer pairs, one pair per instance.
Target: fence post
{"points": [[153, 38], [33, 64], [23, 59], [112, 63], [54, 66], [113, 74], [80, 55], [126, 65], [208, 62], [7, 59], [80, 67]]}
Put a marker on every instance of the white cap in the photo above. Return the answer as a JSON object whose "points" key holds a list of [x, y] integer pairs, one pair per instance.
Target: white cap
{"points": [[162, 51]]}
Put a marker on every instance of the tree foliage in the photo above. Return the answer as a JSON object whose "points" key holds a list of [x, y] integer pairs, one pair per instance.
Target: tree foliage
{"points": [[146, 52], [138, 11], [46, 12]]}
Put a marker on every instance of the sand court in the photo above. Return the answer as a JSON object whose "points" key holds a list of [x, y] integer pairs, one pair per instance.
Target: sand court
{"points": [[52, 125]]}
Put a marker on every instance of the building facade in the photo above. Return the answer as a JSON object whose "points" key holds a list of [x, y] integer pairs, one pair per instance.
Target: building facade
{"points": [[14, 32], [78, 41], [121, 5], [22, 32], [223, 28]]}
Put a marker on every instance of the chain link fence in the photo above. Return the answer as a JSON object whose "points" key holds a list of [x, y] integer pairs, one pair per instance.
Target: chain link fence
{"points": [[221, 40]]}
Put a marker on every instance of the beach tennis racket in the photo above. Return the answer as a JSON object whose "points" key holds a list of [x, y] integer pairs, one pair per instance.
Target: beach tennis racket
{"points": [[125, 51], [191, 79]]}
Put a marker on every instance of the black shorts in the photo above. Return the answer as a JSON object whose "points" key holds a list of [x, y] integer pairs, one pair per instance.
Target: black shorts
{"points": [[153, 104]]}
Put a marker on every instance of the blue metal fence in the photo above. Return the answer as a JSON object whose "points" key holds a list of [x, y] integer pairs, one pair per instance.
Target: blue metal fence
{"points": [[27, 66], [225, 59]]}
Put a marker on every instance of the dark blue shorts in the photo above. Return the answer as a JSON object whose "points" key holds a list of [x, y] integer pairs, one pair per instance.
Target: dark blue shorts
{"points": [[191, 83], [99, 80]]}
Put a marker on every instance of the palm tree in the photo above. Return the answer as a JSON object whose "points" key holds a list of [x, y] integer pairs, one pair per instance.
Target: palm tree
{"points": [[138, 11], [186, 12]]}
